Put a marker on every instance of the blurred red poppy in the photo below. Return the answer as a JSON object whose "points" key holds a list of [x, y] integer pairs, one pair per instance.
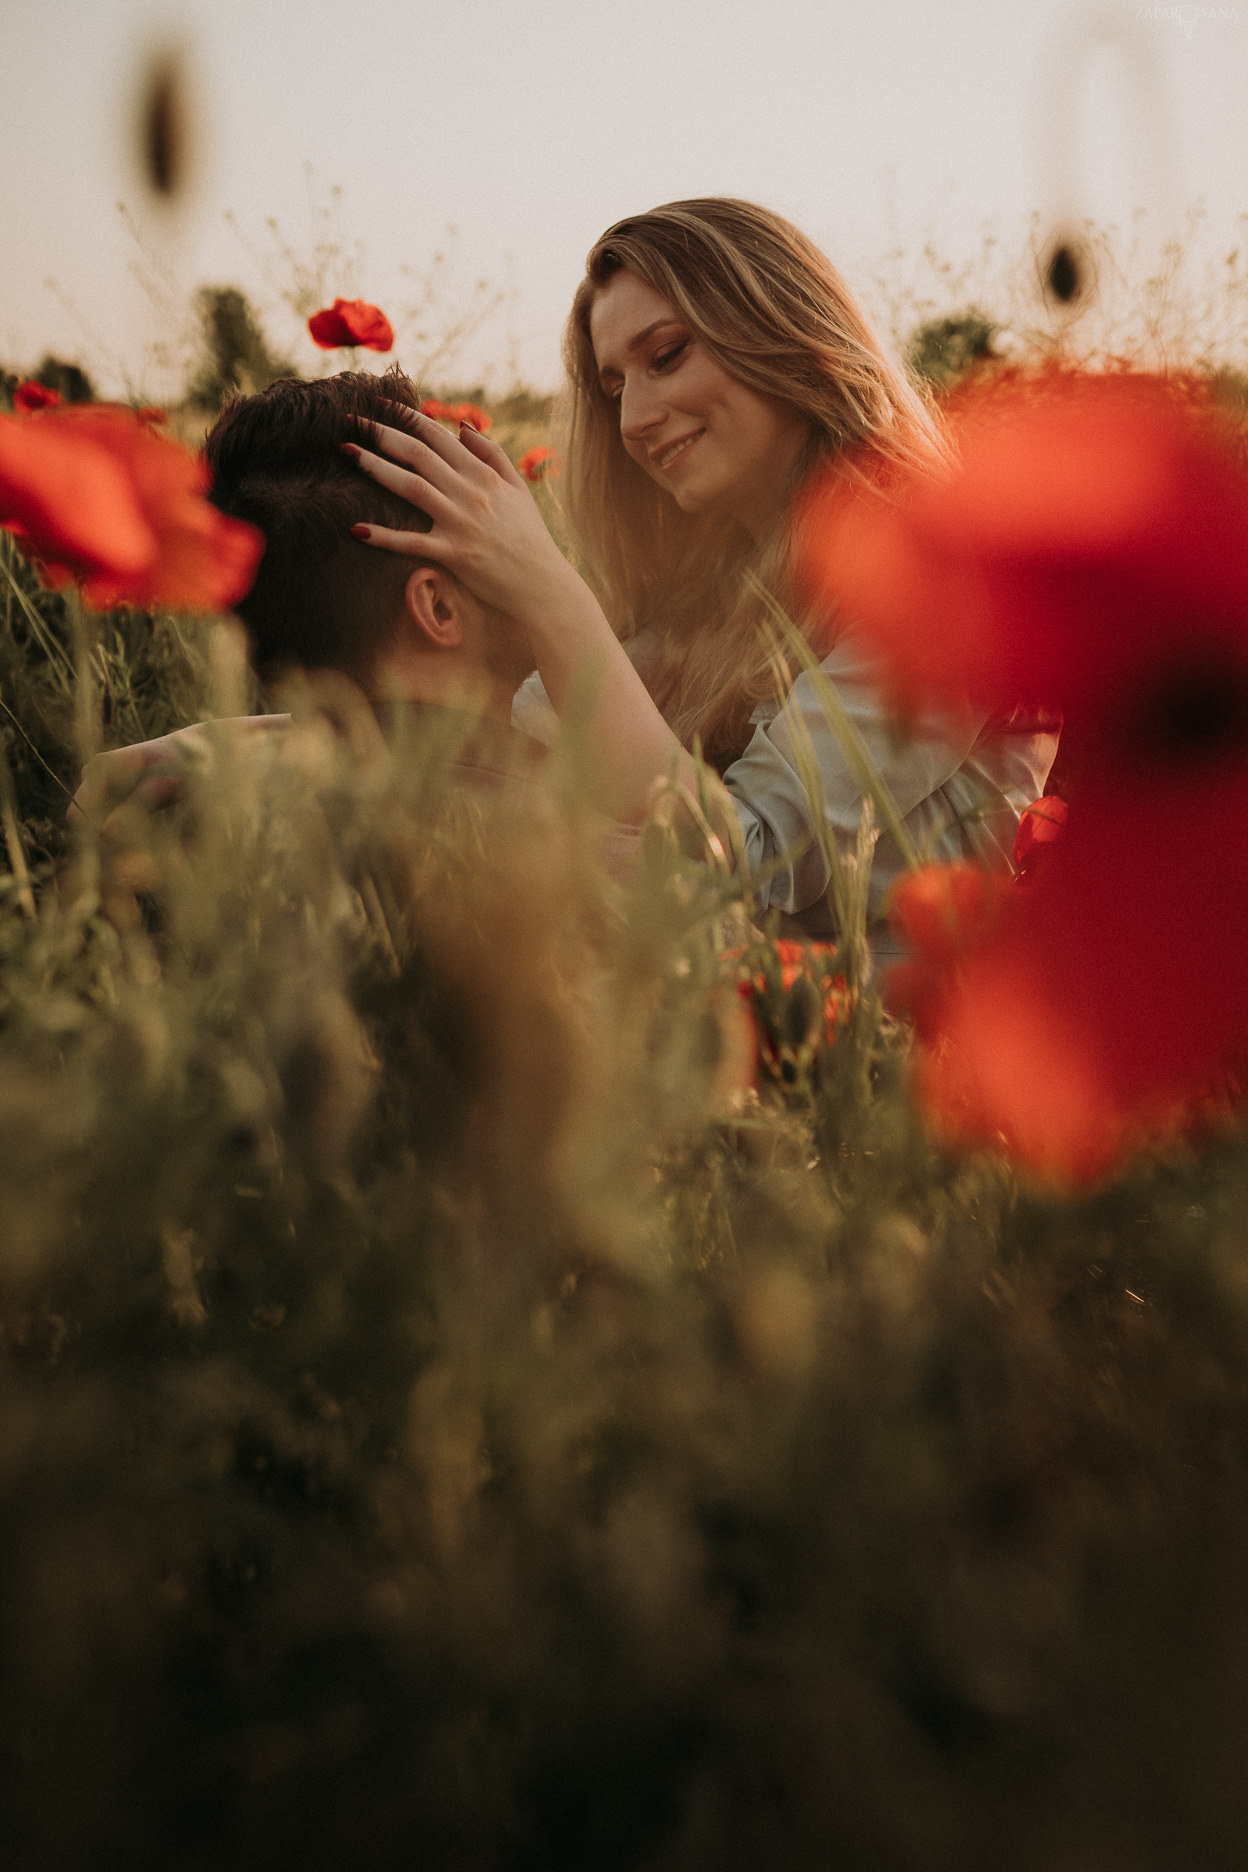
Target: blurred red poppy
{"points": [[796, 1002], [351, 322], [99, 498], [1085, 515], [34, 396], [533, 463], [943, 909], [457, 413], [1040, 825], [1090, 555]]}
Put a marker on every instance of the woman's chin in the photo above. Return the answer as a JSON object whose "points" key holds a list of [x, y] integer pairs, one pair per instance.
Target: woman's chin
{"points": [[691, 498], [694, 493]]}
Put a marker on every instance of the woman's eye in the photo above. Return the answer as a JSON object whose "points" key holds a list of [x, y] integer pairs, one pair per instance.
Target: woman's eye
{"points": [[663, 358]]}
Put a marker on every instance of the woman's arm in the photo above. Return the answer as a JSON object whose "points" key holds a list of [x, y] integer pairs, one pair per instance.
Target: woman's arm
{"points": [[488, 532]]}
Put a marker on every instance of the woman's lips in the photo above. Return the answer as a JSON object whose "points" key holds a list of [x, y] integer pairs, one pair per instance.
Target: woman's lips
{"points": [[675, 451]]}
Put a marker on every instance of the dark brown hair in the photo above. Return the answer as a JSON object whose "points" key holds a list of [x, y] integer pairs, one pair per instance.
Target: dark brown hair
{"points": [[321, 599]]}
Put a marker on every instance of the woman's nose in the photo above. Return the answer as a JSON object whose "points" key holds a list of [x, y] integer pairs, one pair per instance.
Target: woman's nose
{"points": [[640, 411]]}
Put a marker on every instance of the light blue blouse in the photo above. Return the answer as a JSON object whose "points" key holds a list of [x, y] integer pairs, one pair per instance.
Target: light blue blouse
{"points": [[959, 785], [958, 782]]}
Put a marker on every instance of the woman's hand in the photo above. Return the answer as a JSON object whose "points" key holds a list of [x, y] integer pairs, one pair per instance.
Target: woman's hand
{"points": [[488, 532], [486, 528]]}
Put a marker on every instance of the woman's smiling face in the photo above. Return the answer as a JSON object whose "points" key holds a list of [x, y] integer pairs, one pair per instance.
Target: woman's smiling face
{"points": [[714, 444]]}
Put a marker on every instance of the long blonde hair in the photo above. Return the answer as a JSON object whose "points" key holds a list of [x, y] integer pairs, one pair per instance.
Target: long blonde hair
{"points": [[774, 312]]}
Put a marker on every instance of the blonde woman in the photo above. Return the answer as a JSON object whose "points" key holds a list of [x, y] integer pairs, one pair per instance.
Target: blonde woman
{"points": [[715, 363]]}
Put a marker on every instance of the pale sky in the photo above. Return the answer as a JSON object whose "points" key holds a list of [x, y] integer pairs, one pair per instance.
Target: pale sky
{"points": [[530, 126]]}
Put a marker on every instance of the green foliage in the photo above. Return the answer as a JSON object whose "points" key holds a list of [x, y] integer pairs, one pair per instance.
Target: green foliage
{"points": [[941, 352], [446, 1421], [439, 1425], [70, 381], [234, 351], [148, 672]]}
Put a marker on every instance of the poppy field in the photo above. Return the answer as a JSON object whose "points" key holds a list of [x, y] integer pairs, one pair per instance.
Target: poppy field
{"points": [[509, 1365]]}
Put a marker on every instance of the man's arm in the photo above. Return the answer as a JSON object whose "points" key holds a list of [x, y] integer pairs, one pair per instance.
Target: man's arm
{"points": [[152, 774]]}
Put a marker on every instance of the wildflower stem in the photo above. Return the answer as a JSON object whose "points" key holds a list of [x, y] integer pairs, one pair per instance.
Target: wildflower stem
{"points": [[13, 838], [86, 697], [50, 771], [54, 651]]}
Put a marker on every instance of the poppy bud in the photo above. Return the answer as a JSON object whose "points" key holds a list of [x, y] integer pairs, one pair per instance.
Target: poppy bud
{"points": [[1067, 272], [803, 1010], [164, 125]]}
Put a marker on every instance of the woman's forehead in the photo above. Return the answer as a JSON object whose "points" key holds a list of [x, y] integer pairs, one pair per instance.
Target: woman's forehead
{"points": [[624, 312]]}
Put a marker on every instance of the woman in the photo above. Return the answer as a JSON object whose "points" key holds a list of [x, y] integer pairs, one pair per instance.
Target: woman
{"points": [[716, 364]]}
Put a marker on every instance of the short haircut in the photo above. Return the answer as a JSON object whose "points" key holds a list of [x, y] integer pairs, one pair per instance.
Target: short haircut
{"points": [[321, 599]]}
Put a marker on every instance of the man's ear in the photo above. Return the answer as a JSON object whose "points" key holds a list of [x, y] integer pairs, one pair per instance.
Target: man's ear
{"points": [[431, 604]]}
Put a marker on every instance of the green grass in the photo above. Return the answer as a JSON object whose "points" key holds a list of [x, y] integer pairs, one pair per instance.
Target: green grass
{"points": [[440, 1427]]}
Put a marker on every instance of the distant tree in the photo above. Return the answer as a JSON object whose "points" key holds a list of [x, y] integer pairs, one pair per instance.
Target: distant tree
{"points": [[941, 352], [235, 354], [522, 405], [72, 383], [1231, 387]]}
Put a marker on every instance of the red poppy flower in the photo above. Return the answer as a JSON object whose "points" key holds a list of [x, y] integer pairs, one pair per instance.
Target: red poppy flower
{"points": [[1085, 514], [1002, 1061], [943, 909], [1090, 555], [99, 498], [34, 396], [457, 413], [1040, 825], [351, 322], [796, 1002], [532, 464]]}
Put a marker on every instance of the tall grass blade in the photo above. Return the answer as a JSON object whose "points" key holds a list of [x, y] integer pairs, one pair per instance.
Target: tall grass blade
{"points": [[786, 637]]}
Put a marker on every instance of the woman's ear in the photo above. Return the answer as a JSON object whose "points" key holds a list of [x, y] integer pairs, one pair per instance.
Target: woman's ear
{"points": [[431, 603]]}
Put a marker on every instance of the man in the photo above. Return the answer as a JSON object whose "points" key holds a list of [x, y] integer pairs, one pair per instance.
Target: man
{"points": [[400, 629]]}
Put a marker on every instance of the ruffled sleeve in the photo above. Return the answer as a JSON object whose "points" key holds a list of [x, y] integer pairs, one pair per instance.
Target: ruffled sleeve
{"points": [[957, 792]]}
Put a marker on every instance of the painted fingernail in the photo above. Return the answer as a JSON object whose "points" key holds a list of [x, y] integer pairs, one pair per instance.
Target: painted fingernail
{"points": [[349, 448], [360, 531]]}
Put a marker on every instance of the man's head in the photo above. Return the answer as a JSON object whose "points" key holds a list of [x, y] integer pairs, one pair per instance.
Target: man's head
{"points": [[321, 599]]}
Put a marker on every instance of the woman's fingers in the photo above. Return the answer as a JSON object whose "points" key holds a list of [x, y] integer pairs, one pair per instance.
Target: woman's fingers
{"points": [[393, 539], [406, 453], [408, 447], [404, 443], [483, 524], [417, 489], [418, 432], [490, 454], [430, 449]]}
